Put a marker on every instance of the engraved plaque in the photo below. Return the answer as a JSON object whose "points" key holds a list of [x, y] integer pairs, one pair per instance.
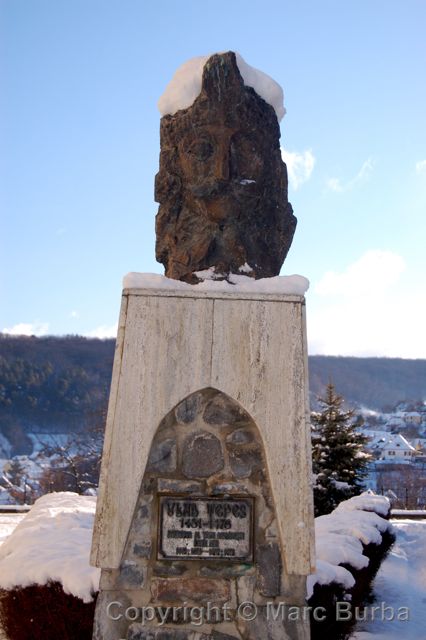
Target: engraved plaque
{"points": [[208, 528]]}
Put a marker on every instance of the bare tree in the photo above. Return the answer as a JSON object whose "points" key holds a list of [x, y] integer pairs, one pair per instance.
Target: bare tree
{"points": [[407, 481], [14, 480], [73, 464]]}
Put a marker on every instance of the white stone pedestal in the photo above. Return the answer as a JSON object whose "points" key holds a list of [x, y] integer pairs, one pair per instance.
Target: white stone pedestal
{"points": [[251, 347]]}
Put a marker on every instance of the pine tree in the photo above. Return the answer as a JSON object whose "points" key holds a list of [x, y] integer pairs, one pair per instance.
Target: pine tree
{"points": [[339, 460]]}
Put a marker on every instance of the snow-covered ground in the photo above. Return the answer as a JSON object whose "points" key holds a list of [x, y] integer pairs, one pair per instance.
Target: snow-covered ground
{"points": [[8, 522], [400, 583], [53, 543]]}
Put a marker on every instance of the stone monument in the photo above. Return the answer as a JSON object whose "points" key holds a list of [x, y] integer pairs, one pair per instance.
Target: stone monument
{"points": [[222, 185], [204, 524]]}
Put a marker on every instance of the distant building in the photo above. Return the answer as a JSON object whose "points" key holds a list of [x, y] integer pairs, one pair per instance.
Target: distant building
{"points": [[397, 449], [390, 447]]}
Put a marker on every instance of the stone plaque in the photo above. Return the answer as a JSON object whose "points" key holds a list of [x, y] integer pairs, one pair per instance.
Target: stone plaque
{"points": [[208, 528]]}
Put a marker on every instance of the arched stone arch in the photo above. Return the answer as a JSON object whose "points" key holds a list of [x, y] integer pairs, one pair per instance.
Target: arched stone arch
{"points": [[206, 449], [207, 434]]}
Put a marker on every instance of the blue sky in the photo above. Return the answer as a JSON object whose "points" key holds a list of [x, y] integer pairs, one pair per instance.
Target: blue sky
{"points": [[79, 146]]}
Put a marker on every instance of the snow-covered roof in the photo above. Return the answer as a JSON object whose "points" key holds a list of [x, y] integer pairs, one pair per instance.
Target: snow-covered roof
{"points": [[375, 434], [383, 440], [185, 86], [397, 442]]}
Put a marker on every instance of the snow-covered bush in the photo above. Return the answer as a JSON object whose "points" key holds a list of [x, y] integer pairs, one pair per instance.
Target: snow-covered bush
{"points": [[47, 587], [350, 542]]}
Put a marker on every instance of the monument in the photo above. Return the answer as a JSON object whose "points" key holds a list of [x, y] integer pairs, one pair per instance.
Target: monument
{"points": [[204, 524], [222, 185]]}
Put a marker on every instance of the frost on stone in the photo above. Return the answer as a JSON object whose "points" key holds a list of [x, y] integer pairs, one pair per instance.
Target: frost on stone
{"points": [[185, 86]]}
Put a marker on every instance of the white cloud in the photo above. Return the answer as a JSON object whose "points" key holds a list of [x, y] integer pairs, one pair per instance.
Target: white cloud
{"points": [[421, 167], [372, 308], [103, 332], [335, 184], [28, 329], [375, 271], [299, 166]]}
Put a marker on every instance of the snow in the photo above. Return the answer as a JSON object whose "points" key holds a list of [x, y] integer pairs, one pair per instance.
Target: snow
{"points": [[338, 548], [8, 523], [245, 268], [327, 573], [290, 285], [400, 582], [367, 501], [340, 536], [397, 440], [409, 512], [185, 86], [363, 525], [342, 486], [52, 543]]}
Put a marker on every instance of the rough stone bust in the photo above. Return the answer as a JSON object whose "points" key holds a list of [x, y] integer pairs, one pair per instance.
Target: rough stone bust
{"points": [[222, 184]]}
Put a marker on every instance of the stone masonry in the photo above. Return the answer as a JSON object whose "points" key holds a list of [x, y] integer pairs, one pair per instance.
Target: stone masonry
{"points": [[207, 446]]}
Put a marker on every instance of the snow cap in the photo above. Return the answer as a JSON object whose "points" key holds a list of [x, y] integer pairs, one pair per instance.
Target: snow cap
{"points": [[185, 86]]}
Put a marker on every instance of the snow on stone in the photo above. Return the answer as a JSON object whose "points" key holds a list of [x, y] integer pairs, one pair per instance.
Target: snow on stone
{"points": [[245, 268], [290, 285], [52, 543], [340, 536], [185, 86]]}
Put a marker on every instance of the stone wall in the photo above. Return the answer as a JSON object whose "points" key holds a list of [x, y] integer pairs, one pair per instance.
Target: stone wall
{"points": [[207, 446]]}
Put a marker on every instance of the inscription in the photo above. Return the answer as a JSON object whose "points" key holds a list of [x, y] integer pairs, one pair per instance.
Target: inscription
{"points": [[208, 528]]}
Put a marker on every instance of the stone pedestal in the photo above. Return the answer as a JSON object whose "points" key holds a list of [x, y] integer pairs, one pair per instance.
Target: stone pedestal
{"points": [[205, 501]]}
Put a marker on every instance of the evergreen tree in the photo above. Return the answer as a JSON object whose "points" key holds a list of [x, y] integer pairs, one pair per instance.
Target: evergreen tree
{"points": [[339, 460]]}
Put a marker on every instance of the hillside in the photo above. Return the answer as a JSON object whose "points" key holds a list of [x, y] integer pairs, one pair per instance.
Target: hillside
{"points": [[60, 383], [376, 383], [51, 384]]}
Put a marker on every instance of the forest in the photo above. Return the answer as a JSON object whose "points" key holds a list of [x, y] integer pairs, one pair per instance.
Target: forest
{"points": [[60, 383]]}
